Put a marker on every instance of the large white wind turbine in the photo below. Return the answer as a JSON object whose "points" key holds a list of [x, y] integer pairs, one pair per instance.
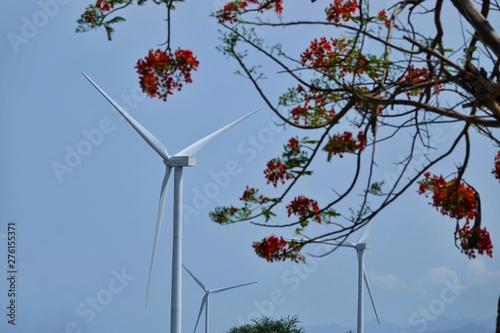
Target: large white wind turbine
{"points": [[184, 158], [204, 300]]}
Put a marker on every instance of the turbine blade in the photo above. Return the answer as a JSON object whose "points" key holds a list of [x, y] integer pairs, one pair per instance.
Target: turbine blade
{"points": [[198, 145], [159, 219], [144, 133], [203, 303], [365, 233], [196, 279], [370, 293], [337, 243], [328, 242], [227, 288]]}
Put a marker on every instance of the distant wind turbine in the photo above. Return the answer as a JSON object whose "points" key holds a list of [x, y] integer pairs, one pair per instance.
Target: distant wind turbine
{"points": [[204, 300], [184, 158], [360, 247]]}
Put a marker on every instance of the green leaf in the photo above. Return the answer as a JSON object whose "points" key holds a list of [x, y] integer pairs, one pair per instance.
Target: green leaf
{"points": [[115, 19], [267, 213], [109, 31]]}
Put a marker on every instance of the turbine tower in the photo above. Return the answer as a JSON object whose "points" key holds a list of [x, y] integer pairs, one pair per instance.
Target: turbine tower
{"points": [[184, 158], [204, 300], [360, 248]]}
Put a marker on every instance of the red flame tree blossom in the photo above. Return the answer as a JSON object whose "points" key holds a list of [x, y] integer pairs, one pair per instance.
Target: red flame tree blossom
{"points": [[161, 72], [273, 248], [361, 87], [459, 201], [353, 84]]}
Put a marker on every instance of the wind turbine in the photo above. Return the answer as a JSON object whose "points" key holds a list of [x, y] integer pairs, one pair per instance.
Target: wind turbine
{"points": [[204, 300], [360, 247], [184, 158]]}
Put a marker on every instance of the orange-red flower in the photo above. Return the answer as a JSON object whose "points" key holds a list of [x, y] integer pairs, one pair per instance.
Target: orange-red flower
{"points": [[304, 208], [104, 5], [419, 75], [273, 248], [161, 72], [341, 10], [229, 13], [474, 239], [459, 201], [276, 172], [341, 143], [455, 200]]}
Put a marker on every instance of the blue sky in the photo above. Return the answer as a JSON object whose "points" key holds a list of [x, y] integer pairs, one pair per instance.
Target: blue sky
{"points": [[87, 233]]}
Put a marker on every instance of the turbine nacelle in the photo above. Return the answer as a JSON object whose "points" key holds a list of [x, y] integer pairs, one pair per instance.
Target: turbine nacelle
{"points": [[181, 161]]}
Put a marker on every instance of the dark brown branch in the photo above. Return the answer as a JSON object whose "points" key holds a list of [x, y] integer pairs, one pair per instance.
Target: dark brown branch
{"points": [[485, 32]]}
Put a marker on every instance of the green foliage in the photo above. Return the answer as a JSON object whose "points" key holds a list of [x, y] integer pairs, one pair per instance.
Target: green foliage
{"points": [[269, 325]]}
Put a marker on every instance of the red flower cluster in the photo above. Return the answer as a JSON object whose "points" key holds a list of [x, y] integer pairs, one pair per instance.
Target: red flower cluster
{"points": [[276, 171], [314, 109], [160, 73], [419, 75], [339, 144], [293, 146], [249, 195], [458, 201], [104, 5], [338, 57], [496, 170], [382, 16], [304, 208], [323, 53], [273, 248], [455, 200], [472, 239], [341, 10], [232, 9]]}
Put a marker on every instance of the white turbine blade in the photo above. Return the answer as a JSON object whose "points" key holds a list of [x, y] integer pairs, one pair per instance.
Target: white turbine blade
{"points": [[337, 243], [196, 279], [370, 293], [144, 133], [195, 147], [365, 233], [328, 242], [227, 288], [159, 219], [203, 303]]}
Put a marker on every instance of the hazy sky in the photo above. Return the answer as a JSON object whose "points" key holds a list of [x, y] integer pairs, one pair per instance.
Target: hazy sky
{"points": [[84, 235]]}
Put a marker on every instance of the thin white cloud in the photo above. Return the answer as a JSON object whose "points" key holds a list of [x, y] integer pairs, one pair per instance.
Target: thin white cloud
{"points": [[389, 281], [435, 276], [479, 272]]}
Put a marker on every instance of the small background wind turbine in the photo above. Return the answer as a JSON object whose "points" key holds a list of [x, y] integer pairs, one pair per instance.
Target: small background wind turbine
{"points": [[184, 158], [204, 300], [360, 247]]}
